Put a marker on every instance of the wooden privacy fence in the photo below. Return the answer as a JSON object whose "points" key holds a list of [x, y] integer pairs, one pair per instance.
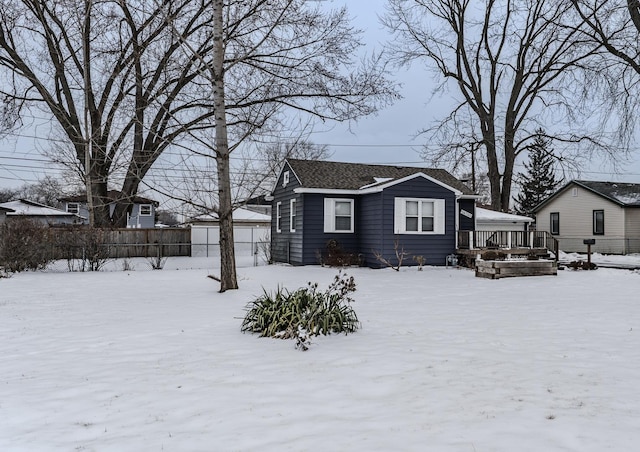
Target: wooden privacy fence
{"points": [[121, 243]]}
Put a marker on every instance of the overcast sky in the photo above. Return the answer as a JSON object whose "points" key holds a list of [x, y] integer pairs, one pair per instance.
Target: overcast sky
{"points": [[389, 137]]}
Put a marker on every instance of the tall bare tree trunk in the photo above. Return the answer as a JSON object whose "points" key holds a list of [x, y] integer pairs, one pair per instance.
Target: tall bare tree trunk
{"points": [[88, 136], [228, 278]]}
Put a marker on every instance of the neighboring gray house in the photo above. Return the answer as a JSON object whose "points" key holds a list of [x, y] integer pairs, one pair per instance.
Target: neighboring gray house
{"points": [[142, 214], [608, 212], [31, 210], [366, 209]]}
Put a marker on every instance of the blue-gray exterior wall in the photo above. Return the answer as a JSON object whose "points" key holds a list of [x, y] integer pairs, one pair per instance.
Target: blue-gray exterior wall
{"points": [[465, 223], [370, 222], [433, 247], [315, 240], [139, 221], [135, 219], [287, 246], [373, 228]]}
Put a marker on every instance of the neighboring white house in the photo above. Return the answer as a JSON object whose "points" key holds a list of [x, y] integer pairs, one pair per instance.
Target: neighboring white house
{"points": [[48, 215], [250, 230], [607, 212], [490, 220]]}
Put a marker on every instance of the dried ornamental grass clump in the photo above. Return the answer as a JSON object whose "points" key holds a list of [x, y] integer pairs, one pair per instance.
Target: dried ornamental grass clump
{"points": [[304, 313]]}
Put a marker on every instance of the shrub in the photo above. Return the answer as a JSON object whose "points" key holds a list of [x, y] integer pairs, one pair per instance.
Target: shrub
{"points": [[582, 265], [335, 256], [304, 313], [84, 248], [24, 245]]}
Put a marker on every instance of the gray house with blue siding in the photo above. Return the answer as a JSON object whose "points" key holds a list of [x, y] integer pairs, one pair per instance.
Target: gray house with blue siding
{"points": [[366, 210], [141, 211]]}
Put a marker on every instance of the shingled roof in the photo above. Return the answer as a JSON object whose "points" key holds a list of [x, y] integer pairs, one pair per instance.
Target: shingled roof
{"points": [[621, 193], [624, 194], [322, 174]]}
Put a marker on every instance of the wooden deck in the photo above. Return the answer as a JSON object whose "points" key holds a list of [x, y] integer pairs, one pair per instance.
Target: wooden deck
{"points": [[510, 244], [513, 243]]}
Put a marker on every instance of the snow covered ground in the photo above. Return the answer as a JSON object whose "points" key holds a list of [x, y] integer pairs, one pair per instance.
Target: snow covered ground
{"points": [[154, 360]]}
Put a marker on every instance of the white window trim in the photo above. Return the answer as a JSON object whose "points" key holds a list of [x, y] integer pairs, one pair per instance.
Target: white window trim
{"points": [[330, 215], [285, 178], [77, 207], [278, 216], [400, 216], [292, 215], [145, 214]]}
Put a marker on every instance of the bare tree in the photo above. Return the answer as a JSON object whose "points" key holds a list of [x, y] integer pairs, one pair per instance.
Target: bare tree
{"points": [[46, 191], [114, 78], [507, 60], [272, 59], [262, 164], [615, 26]]}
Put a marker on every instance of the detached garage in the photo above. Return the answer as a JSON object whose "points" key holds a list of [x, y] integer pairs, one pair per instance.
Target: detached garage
{"points": [[250, 231]]}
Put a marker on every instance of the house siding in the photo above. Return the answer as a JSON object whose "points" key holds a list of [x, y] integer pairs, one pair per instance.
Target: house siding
{"points": [[314, 237], [374, 232], [135, 220], [286, 246], [465, 223], [576, 221], [632, 229], [369, 223], [434, 248]]}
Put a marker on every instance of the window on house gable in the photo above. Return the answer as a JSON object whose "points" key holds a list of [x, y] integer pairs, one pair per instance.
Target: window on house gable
{"points": [[598, 222], [279, 217], [338, 215], [145, 210], [285, 178], [292, 215], [555, 223], [419, 216], [73, 207]]}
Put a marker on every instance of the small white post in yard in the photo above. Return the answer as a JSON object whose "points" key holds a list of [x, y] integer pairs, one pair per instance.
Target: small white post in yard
{"points": [[531, 239], [472, 245]]}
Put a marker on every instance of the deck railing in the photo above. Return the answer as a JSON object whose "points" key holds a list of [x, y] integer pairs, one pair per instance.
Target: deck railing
{"points": [[472, 240]]}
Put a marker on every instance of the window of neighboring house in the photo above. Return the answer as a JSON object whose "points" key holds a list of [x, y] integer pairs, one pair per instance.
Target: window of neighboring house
{"points": [[555, 223], [338, 215], [145, 210], [574, 191], [598, 222], [73, 207], [419, 216], [279, 217], [292, 215], [285, 178]]}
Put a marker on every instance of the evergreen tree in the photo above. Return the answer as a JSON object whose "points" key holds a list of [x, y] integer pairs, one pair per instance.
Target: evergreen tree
{"points": [[539, 181]]}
